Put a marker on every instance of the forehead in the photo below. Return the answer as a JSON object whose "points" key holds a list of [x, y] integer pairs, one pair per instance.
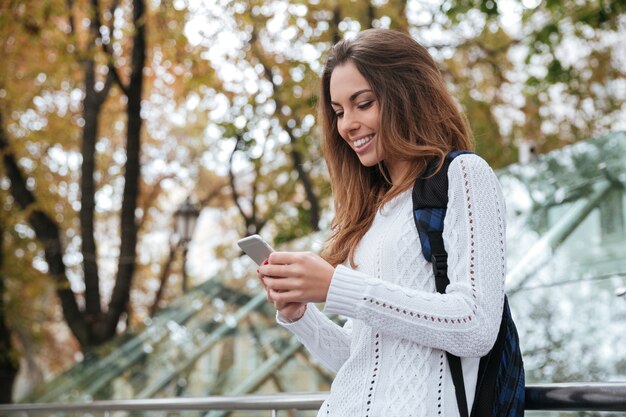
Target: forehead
{"points": [[345, 80]]}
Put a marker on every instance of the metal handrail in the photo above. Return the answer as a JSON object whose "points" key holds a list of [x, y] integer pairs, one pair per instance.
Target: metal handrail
{"points": [[298, 401], [583, 396]]}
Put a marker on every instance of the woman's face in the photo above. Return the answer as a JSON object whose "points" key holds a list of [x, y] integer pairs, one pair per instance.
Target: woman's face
{"points": [[357, 111]]}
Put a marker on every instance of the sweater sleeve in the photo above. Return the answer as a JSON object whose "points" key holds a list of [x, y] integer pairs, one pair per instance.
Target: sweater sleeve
{"points": [[327, 342], [465, 320]]}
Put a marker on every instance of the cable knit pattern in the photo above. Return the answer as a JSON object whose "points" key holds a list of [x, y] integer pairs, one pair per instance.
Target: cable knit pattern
{"points": [[327, 342], [389, 356]]}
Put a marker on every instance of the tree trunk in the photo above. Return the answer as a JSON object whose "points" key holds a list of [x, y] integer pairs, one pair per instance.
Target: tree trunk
{"points": [[336, 37], [91, 112], [126, 264], [47, 232], [9, 365], [371, 15], [314, 211], [92, 107]]}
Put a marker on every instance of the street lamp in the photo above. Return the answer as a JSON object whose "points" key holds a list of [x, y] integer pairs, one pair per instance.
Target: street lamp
{"points": [[186, 218]]}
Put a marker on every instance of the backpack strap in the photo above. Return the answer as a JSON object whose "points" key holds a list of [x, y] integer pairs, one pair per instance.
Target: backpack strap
{"points": [[440, 268], [488, 369], [430, 200]]}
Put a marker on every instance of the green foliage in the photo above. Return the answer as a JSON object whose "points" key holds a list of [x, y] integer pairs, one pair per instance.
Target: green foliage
{"points": [[457, 10]]}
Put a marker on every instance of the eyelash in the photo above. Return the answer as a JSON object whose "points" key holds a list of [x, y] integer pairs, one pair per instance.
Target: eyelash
{"points": [[363, 106]]}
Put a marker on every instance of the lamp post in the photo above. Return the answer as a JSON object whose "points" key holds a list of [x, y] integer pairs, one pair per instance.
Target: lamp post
{"points": [[186, 217]]}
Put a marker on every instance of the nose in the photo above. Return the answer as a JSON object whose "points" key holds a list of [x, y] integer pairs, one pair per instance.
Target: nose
{"points": [[348, 123]]}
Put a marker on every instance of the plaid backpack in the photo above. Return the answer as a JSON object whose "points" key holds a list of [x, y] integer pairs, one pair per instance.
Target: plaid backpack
{"points": [[500, 385]]}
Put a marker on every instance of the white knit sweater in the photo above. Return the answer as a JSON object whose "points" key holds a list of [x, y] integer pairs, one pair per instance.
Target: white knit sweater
{"points": [[389, 356]]}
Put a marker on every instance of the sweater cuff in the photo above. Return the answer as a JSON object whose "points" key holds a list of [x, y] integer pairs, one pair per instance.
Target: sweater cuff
{"points": [[305, 325], [345, 292]]}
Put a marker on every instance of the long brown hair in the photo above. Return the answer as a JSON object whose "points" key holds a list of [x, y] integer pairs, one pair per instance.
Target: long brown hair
{"points": [[419, 123]]}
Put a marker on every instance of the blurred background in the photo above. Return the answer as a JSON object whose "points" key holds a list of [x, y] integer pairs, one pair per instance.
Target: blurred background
{"points": [[141, 138]]}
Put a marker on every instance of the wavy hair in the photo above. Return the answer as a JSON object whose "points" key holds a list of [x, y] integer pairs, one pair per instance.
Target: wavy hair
{"points": [[419, 124]]}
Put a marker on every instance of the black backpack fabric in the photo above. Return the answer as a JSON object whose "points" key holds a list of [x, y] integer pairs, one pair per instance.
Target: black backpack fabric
{"points": [[500, 385]]}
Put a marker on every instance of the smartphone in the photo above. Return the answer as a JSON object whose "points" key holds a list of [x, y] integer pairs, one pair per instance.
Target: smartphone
{"points": [[255, 247]]}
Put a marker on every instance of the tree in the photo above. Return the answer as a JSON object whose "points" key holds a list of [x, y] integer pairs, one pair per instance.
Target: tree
{"points": [[70, 147], [90, 325], [541, 72]]}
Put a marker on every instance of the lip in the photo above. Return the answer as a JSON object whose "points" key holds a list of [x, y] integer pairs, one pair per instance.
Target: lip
{"points": [[365, 147]]}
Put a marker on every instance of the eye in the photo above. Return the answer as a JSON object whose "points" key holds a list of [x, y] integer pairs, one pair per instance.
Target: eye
{"points": [[366, 104], [339, 114]]}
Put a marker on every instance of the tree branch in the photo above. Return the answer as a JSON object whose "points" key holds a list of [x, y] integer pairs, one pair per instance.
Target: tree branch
{"points": [[233, 188], [71, 18], [150, 198], [106, 48], [296, 156], [165, 273]]}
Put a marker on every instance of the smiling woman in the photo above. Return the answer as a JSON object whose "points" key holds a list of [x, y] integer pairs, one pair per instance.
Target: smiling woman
{"points": [[418, 122], [388, 120]]}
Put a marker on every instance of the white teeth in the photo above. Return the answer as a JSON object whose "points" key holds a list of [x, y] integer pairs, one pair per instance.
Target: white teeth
{"points": [[362, 141]]}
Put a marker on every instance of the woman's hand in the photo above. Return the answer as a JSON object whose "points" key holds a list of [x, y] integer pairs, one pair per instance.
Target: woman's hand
{"points": [[289, 312], [296, 277]]}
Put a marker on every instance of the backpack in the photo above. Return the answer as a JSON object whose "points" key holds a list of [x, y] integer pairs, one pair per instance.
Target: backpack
{"points": [[500, 386]]}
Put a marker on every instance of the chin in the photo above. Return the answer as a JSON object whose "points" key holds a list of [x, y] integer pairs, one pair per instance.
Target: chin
{"points": [[369, 161], [368, 164]]}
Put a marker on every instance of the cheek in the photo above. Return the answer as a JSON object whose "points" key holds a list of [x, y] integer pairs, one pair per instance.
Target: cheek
{"points": [[374, 119], [339, 129]]}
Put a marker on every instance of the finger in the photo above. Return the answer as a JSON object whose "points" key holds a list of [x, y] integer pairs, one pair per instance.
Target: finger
{"points": [[267, 292], [284, 297], [260, 276], [280, 284], [276, 271], [286, 258], [277, 297]]}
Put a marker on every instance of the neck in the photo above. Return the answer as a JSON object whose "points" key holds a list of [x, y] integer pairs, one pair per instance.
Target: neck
{"points": [[397, 170]]}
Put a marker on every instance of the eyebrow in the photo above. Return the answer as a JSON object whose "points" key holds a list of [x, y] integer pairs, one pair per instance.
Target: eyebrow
{"points": [[353, 96]]}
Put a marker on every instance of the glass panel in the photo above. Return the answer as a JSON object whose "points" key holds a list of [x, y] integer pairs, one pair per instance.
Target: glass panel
{"points": [[571, 322], [612, 216]]}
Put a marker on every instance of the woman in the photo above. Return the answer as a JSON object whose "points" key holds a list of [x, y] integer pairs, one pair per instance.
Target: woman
{"points": [[386, 116]]}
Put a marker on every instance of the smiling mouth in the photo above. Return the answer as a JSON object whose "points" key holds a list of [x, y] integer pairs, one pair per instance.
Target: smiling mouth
{"points": [[363, 141]]}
